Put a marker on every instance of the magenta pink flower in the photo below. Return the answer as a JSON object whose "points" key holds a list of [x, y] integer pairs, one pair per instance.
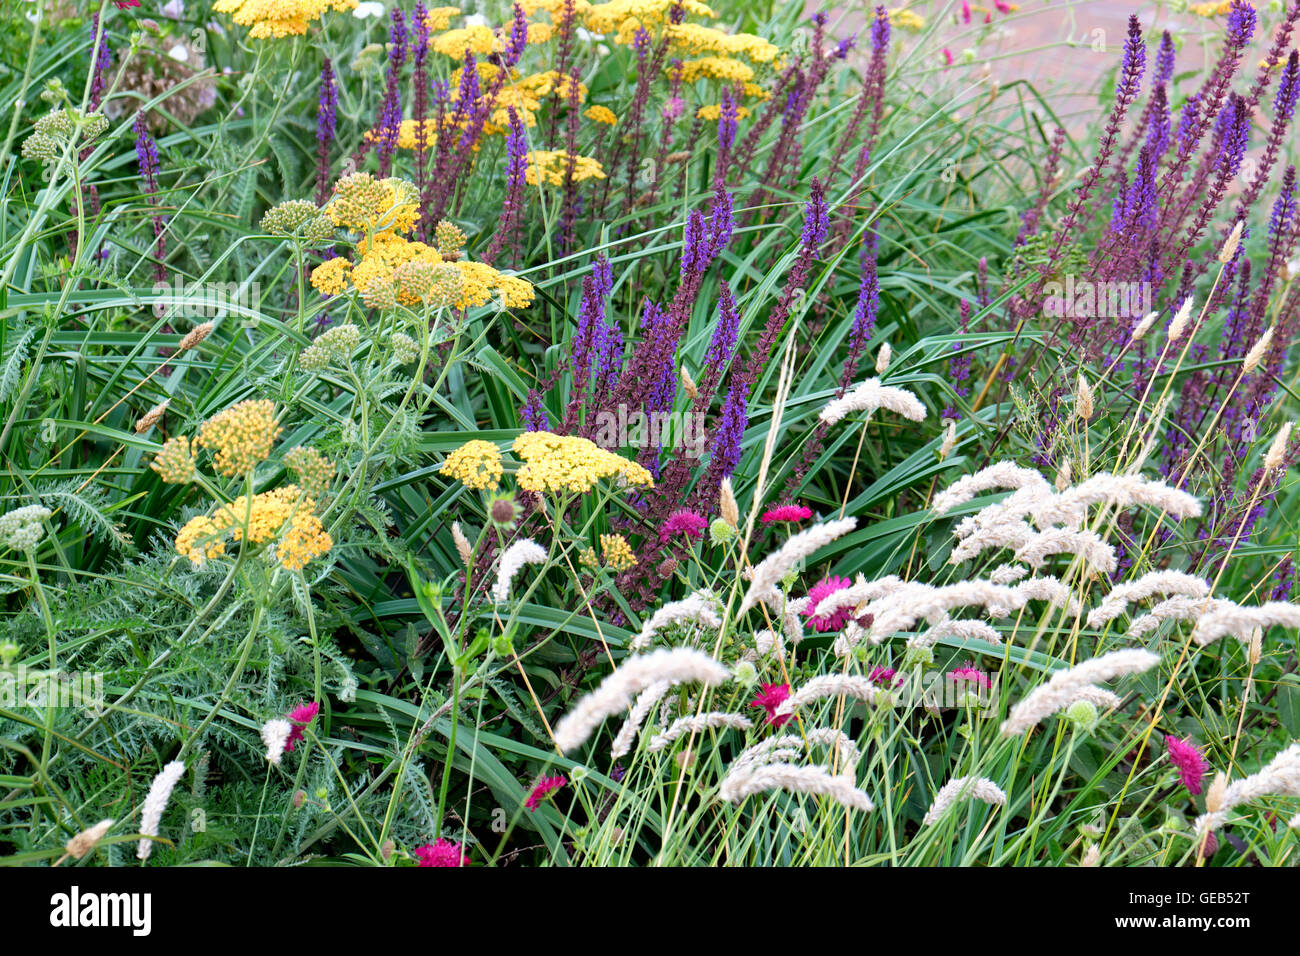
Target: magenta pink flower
{"points": [[442, 853], [771, 697], [969, 674], [884, 677], [786, 513], [543, 788], [300, 717], [1192, 767], [682, 522], [819, 591], [947, 56]]}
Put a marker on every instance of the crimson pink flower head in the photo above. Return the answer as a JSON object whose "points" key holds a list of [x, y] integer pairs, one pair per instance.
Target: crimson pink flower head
{"points": [[969, 674], [543, 788], [682, 522], [786, 513], [1192, 767], [770, 698], [442, 853], [123, 4], [300, 717], [947, 56], [884, 677], [819, 592]]}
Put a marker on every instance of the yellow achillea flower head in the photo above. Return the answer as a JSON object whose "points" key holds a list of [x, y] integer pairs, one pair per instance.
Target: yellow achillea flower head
{"points": [[907, 20], [439, 18], [610, 17], [713, 112], [694, 38], [284, 512], [174, 463], [717, 68], [569, 463], [331, 276], [481, 39], [240, 436], [618, 554], [601, 114], [278, 18], [314, 470], [475, 464], [551, 83], [1212, 9], [368, 205], [549, 166]]}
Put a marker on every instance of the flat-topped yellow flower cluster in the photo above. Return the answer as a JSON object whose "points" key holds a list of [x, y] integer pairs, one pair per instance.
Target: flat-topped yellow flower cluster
{"points": [[568, 463], [279, 18], [286, 513]]}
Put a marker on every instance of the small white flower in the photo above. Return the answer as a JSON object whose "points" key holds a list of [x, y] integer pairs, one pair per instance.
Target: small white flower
{"points": [[174, 9], [275, 734], [475, 20], [179, 53], [368, 9]]}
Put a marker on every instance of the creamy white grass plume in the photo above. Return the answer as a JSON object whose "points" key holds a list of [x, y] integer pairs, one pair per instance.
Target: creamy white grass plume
{"points": [[882, 358], [160, 791], [1277, 451], [1173, 609], [88, 839], [728, 508], [870, 396], [1281, 777], [1087, 545], [765, 642], [785, 747], [830, 685], [1064, 476], [963, 788], [1230, 244], [1295, 822], [1083, 399], [1049, 588], [768, 573], [1124, 491], [1007, 574], [1012, 535], [965, 630], [645, 702], [745, 781], [1003, 475], [858, 593], [846, 751], [1144, 326], [1179, 325], [463, 548], [524, 551], [1065, 685], [699, 608], [1257, 352], [696, 723], [275, 734], [949, 441], [1091, 856], [1099, 697], [615, 693], [1149, 585], [1227, 618]]}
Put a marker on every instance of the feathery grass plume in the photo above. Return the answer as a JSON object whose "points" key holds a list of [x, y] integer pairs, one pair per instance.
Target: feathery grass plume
{"points": [[1229, 250], [949, 441], [1172, 609], [275, 734], [699, 607], [870, 396], [1257, 352], [194, 336], [1281, 777], [696, 723], [615, 693], [1179, 324], [1091, 856], [963, 788], [1002, 475], [1277, 450], [1088, 545], [1011, 534], [882, 359], [151, 417], [1229, 618], [829, 685], [524, 551], [784, 747], [160, 791], [463, 548], [1151, 583], [963, 630], [728, 509], [1099, 697], [901, 610], [1083, 401], [846, 750], [645, 702], [1122, 491], [1143, 327], [750, 779], [1064, 686], [88, 839], [768, 573], [1008, 574]]}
